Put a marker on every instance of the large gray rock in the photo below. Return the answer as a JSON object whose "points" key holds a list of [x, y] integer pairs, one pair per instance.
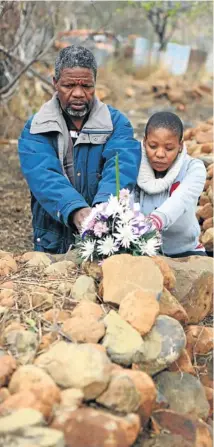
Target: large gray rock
{"points": [[121, 341], [84, 289], [22, 344], [194, 285], [77, 366], [184, 393], [121, 395], [162, 346]]}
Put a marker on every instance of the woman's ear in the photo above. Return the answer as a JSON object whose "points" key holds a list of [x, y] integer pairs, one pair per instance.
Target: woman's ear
{"points": [[144, 141], [181, 146]]}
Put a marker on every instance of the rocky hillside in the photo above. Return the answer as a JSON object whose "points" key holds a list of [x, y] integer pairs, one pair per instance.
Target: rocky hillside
{"points": [[115, 356]]}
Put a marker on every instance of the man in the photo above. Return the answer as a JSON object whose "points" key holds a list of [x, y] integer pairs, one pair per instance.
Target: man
{"points": [[67, 152]]}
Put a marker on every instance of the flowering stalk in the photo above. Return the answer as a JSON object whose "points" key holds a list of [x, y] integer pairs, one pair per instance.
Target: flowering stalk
{"points": [[117, 171]]}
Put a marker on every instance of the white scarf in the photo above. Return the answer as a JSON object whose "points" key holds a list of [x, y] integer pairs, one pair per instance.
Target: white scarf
{"points": [[146, 177]]}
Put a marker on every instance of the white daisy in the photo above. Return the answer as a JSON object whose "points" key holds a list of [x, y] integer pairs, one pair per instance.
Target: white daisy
{"points": [[150, 247], [125, 235], [126, 216], [107, 246], [113, 207], [87, 250]]}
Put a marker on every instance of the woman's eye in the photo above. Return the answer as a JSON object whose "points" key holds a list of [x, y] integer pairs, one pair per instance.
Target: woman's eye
{"points": [[170, 149], [152, 147]]}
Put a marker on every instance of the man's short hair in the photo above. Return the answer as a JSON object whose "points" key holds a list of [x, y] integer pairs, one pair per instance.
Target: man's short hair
{"points": [[75, 56]]}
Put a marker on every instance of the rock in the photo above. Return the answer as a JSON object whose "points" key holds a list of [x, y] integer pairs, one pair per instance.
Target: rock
{"points": [[124, 273], [84, 330], [170, 306], [206, 211], [60, 268], [183, 364], [204, 137], [19, 420], [84, 289], [3, 310], [4, 394], [7, 265], [146, 387], [71, 255], [121, 395], [121, 341], [32, 378], [206, 370], [40, 298], [193, 433], [208, 223], [167, 440], [169, 279], [38, 259], [56, 315], [7, 285], [184, 393], [47, 340], [202, 201], [161, 401], [7, 298], [207, 148], [7, 367], [65, 288], [77, 366], [71, 400], [87, 309], [140, 310], [41, 437], [93, 269], [194, 284], [33, 437], [88, 427], [22, 344], [209, 396], [162, 346], [207, 239], [41, 401], [199, 340]]}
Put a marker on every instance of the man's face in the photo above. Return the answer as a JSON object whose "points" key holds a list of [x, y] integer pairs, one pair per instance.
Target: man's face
{"points": [[76, 89]]}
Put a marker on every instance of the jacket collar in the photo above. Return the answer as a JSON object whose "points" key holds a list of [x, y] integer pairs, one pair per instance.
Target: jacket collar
{"points": [[50, 118]]}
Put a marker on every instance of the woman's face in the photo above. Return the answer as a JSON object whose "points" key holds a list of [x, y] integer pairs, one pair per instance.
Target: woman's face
{"points": [[162, 147]]}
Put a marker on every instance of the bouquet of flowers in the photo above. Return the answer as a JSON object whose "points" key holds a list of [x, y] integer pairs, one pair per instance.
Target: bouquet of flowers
{"points": [[116, 227]]}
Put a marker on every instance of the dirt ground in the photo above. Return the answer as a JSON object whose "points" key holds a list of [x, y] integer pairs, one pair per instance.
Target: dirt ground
{"points": [[15, 215]]}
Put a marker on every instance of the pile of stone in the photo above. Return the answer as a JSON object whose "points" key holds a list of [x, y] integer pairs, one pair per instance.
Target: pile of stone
{"points": [[205, 212], [199, 142], [96, 356]]}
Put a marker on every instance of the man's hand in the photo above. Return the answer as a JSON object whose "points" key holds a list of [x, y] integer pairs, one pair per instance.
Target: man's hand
{"points": [[79, 216]]}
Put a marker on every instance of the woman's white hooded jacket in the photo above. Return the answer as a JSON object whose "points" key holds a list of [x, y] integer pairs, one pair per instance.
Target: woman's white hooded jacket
{"points": [[172, 200]]}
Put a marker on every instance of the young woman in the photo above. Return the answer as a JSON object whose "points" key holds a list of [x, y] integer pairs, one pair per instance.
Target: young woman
{"points": [[169, 185]]}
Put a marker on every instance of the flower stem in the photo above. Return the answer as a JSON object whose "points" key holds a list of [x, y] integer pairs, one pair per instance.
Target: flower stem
{"points": [[117, 171]]}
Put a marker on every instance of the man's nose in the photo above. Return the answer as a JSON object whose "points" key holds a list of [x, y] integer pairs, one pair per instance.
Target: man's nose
{"points": [[160, 152], [78, 91]]}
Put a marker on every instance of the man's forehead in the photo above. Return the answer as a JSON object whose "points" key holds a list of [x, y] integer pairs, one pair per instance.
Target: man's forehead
{"points": [[77, 73]]}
